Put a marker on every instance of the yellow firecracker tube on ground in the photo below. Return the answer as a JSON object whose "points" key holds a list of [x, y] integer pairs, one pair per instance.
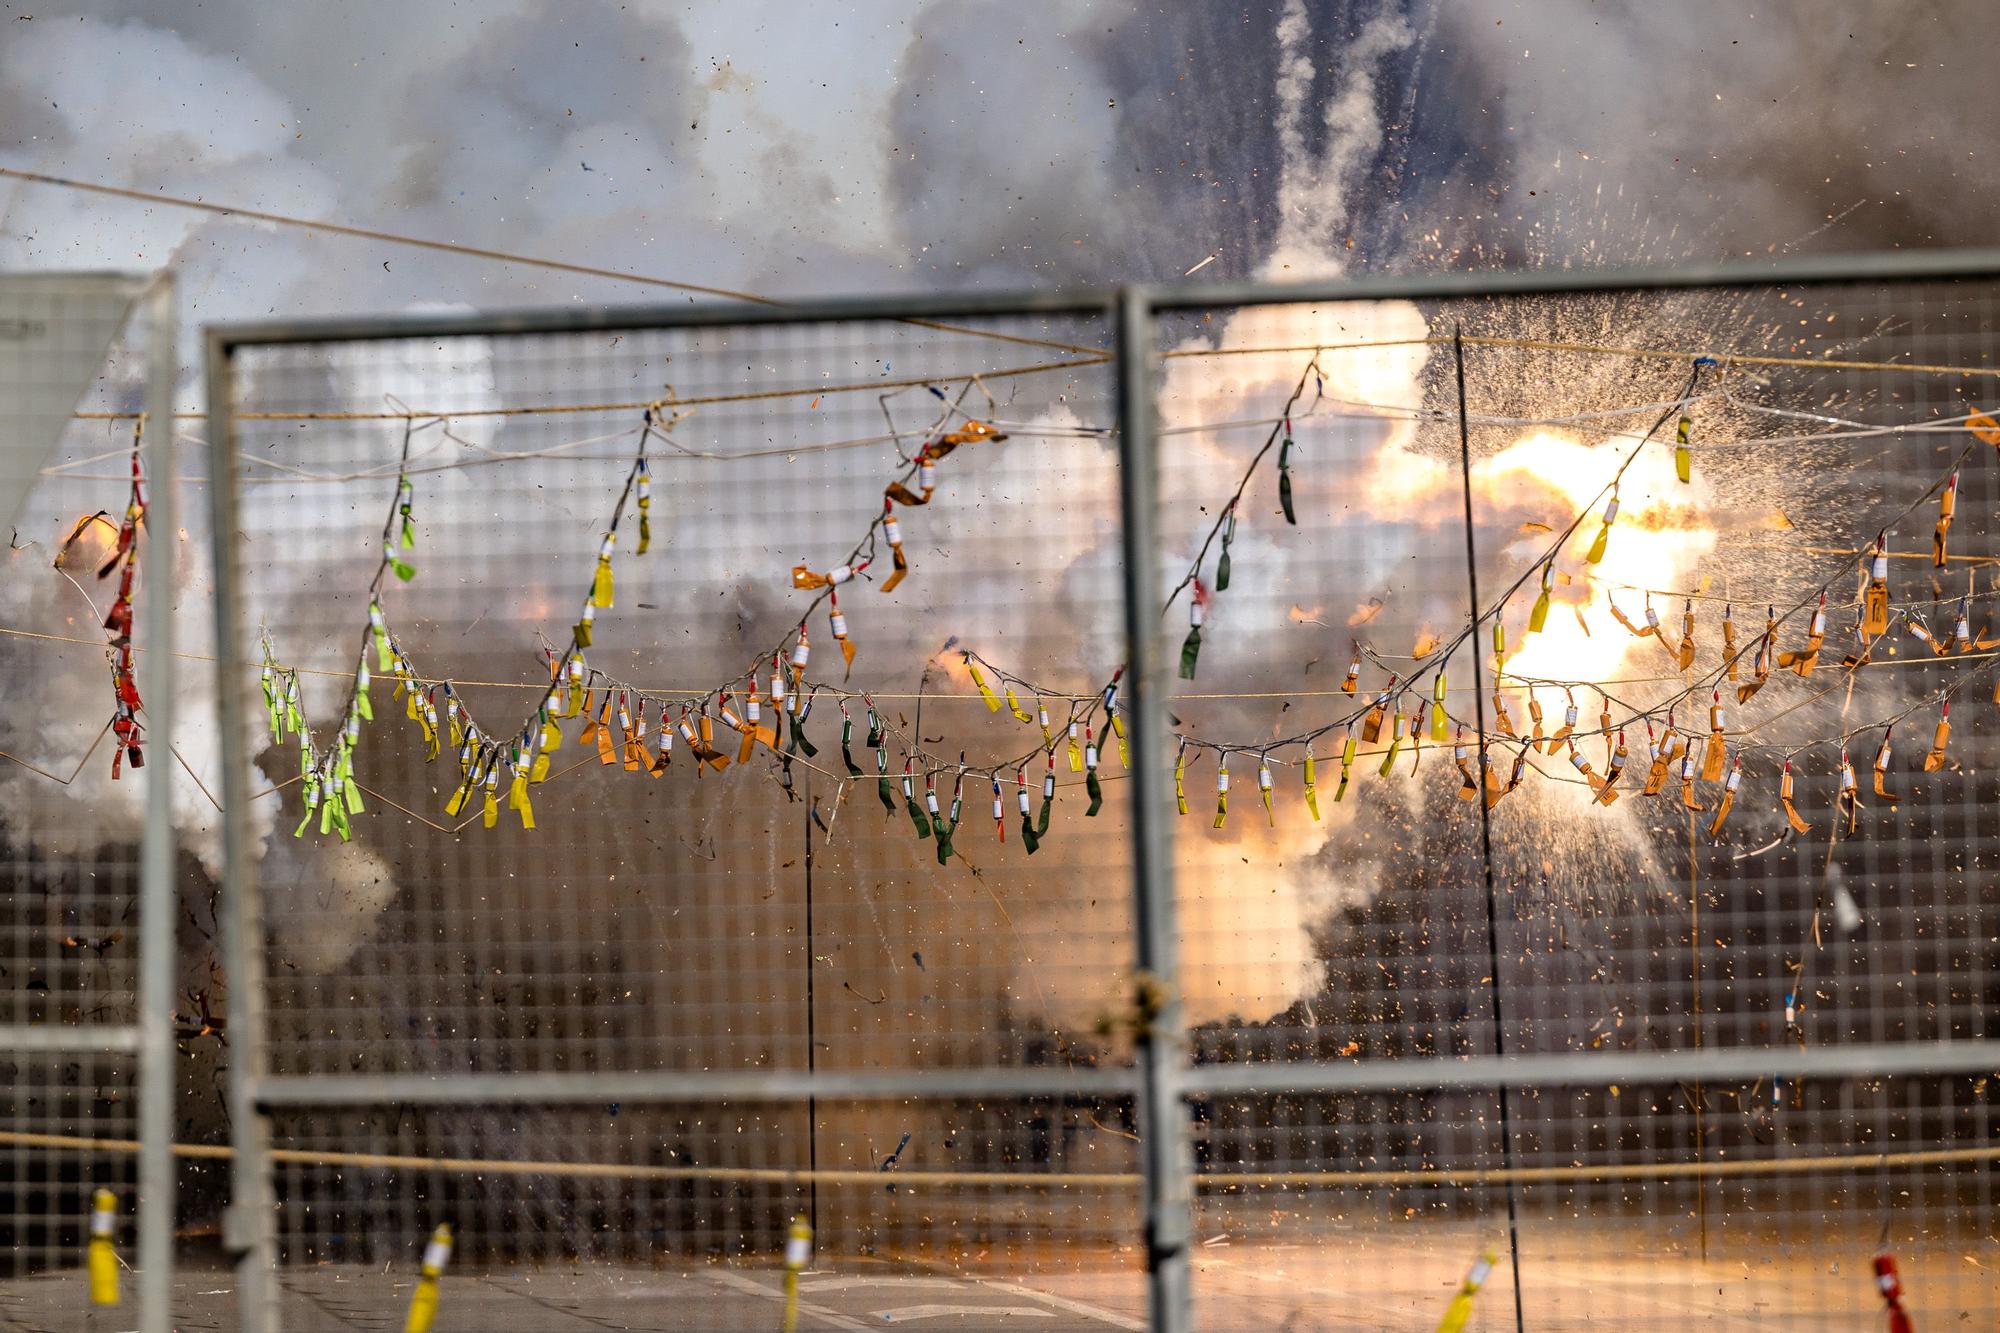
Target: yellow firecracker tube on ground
{"points": [[1460, 1309], [798, 1253], [424, 1302], [103, 1256]]}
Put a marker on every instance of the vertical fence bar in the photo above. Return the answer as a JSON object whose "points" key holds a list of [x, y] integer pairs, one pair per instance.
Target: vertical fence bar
{"points": [[157, 915], [1486, 829], [1162, 1051], [247, 1224]]}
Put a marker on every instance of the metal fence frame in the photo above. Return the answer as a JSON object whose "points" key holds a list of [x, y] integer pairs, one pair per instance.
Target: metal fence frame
{"points": [[153, 331], [1162, 1079]]}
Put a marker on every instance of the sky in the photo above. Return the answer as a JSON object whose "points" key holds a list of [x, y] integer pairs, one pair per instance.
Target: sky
{"points": [[950, 144]]}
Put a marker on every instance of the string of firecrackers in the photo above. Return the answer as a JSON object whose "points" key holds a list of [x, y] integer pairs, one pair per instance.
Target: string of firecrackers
{"points": [[127, 731], [1670, 753], [616, 721], [615, 713]]}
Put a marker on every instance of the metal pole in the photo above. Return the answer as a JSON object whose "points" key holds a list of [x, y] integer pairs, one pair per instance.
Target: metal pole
{"points": [[247, 1223], [1162, 1050], [812, 1034], [158, 954], [1486, 830]]}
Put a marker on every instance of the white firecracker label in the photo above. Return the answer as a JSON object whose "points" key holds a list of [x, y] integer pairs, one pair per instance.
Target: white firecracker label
{"points": [[1569, 716], [1652, 617], [1611, 511], [999, 809], [927, 476], [1264, 778], [436, 1255], [930, 799], [839, 622], [752, 710], [604, 547], [801, 651], [103, 1221], [1735, 779], [1577, 761], [1048, 785], [798, 1252], [1221, 779], [892, 531], [777, 687], [840, 574], [1090, 756], [1196, 614], [1024, 800]]}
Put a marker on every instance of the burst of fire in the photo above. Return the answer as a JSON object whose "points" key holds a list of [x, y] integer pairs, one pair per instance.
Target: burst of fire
{"points": [[1657, 541]]}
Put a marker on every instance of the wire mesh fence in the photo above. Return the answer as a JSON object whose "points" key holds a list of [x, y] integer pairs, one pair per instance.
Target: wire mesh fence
{"points": [[1649, 923], [763, 910], [86, 949], [883, 970]]}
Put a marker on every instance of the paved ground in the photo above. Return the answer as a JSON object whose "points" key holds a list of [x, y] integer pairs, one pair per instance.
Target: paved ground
{"points": [[1338, 1285]]}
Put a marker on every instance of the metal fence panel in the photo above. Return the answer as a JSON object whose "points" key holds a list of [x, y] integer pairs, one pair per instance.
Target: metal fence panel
{"points": [[572, 995], [87, 910], [1819, 414]]}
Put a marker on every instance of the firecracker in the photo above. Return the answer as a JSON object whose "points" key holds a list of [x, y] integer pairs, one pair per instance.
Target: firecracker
{"points": [[836, 624], [1538, 615], [1875, 598], [1718, 728], [1371, 725], [986, 693], [1311, 782], [1285, 475], [1935, 759], [1395, 742], [1848, 802], [1689, 800], [1947, 504], [1502, 721], [920, 815], [1802, 660], [1684, 448], [801, 656], [1347, 750], [1221, 790], [1462, 756], [1660, 756], [1353, 677], [1607, 794], [1228, 536], [1568, 727], [1438, 719], [1785, 799], [1197, 613], [892, 533], [403, 533], [1685, 653], [1882, 767], [1597, 546], [1729, 786], [1890, 1284], [1180, 778], [1048, 799], [810, 580], [1264, 789], [1537, 735], [948, 828], [1074, 741], [1091, 786], [1029, 838]]}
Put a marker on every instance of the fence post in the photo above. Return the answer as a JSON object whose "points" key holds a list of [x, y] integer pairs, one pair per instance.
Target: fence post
{"points": [[1167, 1190], [246, 1230], [158, 915]]}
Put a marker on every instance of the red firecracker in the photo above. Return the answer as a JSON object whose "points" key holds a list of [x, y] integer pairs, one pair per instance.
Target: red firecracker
{"points": [[1892, 1293]]}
